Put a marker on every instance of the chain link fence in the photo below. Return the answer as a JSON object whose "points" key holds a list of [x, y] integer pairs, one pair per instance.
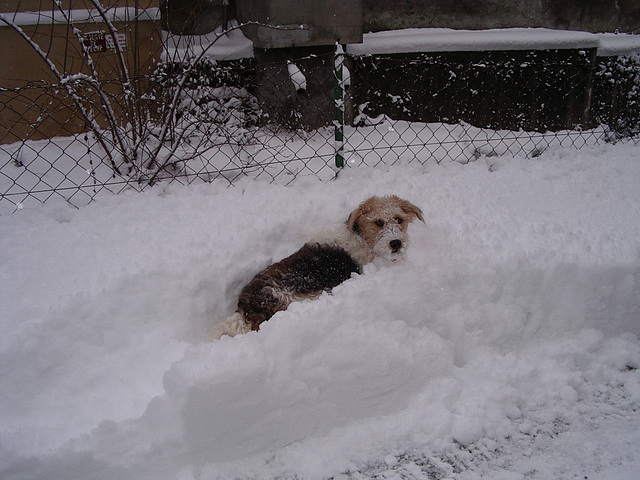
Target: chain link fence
{"points": [[182, 115]]}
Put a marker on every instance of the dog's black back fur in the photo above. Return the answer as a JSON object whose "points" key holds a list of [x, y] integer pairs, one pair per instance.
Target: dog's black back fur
{"points": [[308, 272]]}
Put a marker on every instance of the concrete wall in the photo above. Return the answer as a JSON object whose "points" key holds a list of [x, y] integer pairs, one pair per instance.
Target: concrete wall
{"points": [[277, 96], [193, 17], [199, 16], [587, 15], [302, 23]]}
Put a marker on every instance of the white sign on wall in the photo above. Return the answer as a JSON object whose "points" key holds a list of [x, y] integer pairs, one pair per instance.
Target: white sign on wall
{"points": [[99, 41]]}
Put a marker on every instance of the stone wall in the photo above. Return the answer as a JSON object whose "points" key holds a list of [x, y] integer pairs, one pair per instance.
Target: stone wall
{"points": [[201, 16], [586, 15]]}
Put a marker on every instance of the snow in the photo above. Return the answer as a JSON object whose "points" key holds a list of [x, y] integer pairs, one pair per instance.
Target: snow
{"points": [[81, 169], [505, 347], [449, 40], [297, 78], [53, 16], [618, 44], [232, 45], [235, 45]]}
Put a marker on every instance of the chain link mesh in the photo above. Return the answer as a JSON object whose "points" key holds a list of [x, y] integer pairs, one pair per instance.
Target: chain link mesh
{"points": [[249, 118]]}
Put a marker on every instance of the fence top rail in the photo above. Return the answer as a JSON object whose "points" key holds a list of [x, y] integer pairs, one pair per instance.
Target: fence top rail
{"points": [[449, 40]]}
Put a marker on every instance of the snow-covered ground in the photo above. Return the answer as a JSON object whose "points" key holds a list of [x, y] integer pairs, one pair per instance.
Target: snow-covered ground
{"points": [[505, 347], [78, 170]]}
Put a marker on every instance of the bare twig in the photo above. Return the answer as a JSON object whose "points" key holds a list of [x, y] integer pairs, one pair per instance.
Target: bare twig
{"points": [[87, 117]]}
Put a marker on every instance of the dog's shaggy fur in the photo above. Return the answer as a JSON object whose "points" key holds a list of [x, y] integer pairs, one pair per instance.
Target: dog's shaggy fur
{"points": [[376, 229]]}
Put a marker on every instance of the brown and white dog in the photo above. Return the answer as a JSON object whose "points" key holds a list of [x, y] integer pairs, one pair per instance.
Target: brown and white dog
{"points": [[376, 229]]}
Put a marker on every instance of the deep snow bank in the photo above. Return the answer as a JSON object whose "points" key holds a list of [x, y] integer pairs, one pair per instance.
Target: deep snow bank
{"points": [[514, 319]]}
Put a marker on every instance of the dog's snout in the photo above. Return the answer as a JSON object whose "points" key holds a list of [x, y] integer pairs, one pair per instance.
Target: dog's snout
{"points": [[395, 245]]}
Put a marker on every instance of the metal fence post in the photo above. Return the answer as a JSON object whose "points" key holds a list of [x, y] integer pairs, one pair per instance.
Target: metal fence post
{"points": [[339, 104]]}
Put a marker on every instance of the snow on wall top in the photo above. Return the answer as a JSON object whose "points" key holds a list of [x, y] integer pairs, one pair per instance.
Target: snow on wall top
{"points": [[449, 40], [47, 17], [612, 44], [232, 45], [235, 45]]}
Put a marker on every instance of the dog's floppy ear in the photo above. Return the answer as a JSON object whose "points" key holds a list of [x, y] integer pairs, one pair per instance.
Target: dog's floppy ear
{"points": [[410, 209], [353, 222]]}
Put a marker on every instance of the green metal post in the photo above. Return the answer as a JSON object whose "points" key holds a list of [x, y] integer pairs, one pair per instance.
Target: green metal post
{"points": [[339, 104]]}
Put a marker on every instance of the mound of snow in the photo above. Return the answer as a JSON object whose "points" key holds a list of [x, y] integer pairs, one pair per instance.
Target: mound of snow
{"points": [[504, 347]]}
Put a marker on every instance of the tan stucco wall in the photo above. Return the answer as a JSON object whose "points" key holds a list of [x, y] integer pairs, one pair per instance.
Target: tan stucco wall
{"points": [[21, 68]]}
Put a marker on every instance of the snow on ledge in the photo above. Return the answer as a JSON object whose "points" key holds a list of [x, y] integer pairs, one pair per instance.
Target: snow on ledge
{"points": [[232, 45], [48, 17], [449, 40], [618, 44]]}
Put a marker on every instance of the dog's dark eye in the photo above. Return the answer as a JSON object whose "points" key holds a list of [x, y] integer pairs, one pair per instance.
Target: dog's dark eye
{"points": [[379, 223], [399, 220]]}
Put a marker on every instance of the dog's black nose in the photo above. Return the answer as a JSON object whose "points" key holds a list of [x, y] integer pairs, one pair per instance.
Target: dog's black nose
{"points": [[395, 245]]}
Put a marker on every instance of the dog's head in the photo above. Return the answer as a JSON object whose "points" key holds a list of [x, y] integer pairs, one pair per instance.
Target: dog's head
{"points": [[382, 223]]}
